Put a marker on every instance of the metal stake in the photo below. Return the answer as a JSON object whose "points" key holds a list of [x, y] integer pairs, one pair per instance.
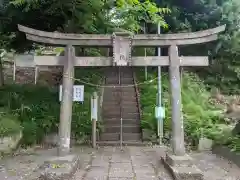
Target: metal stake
{"points": [[159, 88], [121, 134], [120, 105], [145, 54]]}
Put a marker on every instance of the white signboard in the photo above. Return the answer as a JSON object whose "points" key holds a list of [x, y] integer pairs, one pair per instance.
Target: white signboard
{"points": [[78, 93], [94, 112]]}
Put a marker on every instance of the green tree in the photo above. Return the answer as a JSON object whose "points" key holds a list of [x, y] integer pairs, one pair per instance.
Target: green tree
{"points": [[76, 16]]}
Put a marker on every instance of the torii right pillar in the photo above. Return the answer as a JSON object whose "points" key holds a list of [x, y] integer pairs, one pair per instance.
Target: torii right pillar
{"points": [[178, 145], [177, 161]]}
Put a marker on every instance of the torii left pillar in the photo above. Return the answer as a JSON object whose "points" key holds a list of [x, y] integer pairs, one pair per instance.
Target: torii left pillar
{"points": [[66, 103]]}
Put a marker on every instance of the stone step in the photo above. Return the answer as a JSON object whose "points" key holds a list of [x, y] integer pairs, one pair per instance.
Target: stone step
{"points": [[109, 136], [116, 103], [125, 129], [116, 77], [118, 94], [125, 76], [116, 136], [114, 95], [111, 82], [116, 121], [127, 81], [122, 81], [116, 106], [124, 143], [117, 111], [124, 97], [119, 89], [120, 98], [129, 108], [123, 100], [132, 109], [124, 115]]}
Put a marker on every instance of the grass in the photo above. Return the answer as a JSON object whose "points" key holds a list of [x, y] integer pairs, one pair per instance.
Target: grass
{"points": [[36, 108]]}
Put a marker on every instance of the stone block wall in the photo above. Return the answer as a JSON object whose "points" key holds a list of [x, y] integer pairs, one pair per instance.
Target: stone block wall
{"points": [[49, 76]]}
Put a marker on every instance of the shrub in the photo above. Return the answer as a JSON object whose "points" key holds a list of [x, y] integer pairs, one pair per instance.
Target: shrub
{"points": [[37, 108]]}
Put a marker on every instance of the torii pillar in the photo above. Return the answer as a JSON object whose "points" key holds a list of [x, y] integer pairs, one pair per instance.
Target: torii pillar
{"points": [[67, 101]]}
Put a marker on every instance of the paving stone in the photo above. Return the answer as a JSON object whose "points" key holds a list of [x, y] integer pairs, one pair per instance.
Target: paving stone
{"points": [[120, 158], [102, 158], [120, 178], [121, 174], [100, 163], [95, 178], [148, 170], [95, 171], [141, 165], [121, 170], [121, 165], [79, 175], [147, 178], [145, 171]]}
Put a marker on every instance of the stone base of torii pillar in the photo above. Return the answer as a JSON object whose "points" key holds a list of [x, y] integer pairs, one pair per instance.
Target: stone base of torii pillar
{"points": [[182, 167]]}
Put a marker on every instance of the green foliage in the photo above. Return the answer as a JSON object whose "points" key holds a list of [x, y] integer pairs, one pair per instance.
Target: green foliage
{"points": [[37, 108], [74, 17], [191, 16], [233, 142], [64, 16], [200, 116], [130, 13]]}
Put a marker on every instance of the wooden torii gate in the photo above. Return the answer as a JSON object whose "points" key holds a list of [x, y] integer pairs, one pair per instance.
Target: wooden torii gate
{"points": [[122, 44]]}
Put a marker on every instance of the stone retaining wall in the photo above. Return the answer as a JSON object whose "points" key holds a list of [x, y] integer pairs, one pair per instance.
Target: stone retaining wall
{"points": [[49, 76]]}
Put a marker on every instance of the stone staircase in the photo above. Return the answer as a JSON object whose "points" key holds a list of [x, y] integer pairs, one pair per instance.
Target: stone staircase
{"points": [[112, 113]]}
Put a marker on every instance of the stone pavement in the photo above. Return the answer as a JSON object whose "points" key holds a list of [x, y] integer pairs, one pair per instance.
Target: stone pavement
{"points": [[143, 163], [132, 163], [110, 163]]}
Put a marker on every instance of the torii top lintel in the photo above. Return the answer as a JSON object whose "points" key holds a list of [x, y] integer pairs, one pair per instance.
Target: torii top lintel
{"points": [[106, 40]]}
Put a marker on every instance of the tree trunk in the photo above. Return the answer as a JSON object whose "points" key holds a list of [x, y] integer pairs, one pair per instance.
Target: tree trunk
{"points": [[1, 74]]}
